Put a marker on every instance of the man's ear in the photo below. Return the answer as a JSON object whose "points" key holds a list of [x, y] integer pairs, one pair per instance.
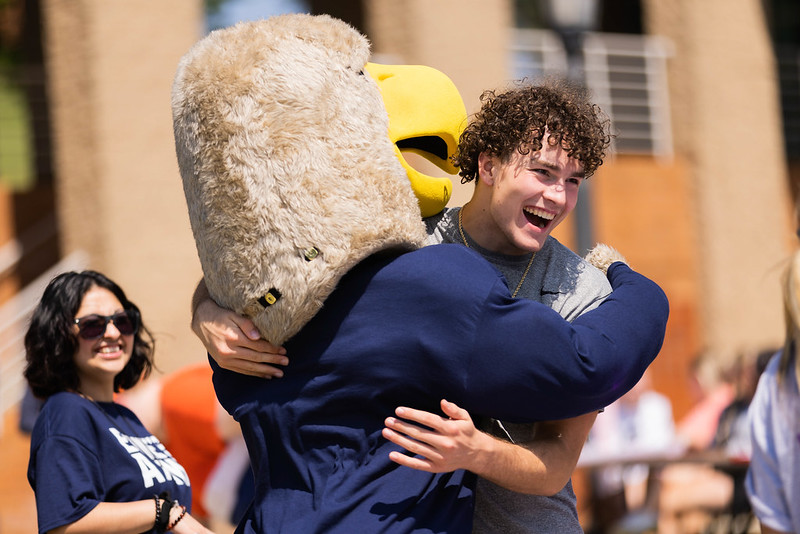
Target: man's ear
{"points": [[486, 168]]}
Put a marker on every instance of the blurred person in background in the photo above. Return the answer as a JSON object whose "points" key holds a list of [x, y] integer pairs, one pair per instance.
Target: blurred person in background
{"points": [[229, 488], [773, 478], [29, 408], [733, 427], [694, 493], [713, 390], [189, 413], [639, 424], [94, 467], [207, 441]]}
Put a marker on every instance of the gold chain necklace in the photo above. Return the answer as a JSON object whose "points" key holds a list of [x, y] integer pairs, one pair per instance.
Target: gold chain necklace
{"points": [[528, 268]]}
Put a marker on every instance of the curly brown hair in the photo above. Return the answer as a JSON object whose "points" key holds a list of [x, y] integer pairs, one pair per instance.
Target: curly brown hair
{"points": [[518, 118]]}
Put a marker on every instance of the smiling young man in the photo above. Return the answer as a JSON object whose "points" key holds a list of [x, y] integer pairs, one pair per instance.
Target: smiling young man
{"points": [[528, 150]]}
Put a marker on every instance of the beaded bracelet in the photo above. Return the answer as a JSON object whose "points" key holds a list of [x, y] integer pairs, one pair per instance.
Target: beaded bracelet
{"points": [[162, 516], [177, 519], [158, 512]]}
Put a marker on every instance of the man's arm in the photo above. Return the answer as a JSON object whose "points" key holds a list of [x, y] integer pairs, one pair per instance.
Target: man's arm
{"points": [[233, 340], [540, 467]]}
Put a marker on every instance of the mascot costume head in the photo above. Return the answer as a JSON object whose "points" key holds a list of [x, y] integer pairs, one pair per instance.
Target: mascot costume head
{"points": [[290, 149]]}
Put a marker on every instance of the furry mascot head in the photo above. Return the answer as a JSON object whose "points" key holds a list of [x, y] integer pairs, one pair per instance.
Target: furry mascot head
{"points": [[291, 170]]}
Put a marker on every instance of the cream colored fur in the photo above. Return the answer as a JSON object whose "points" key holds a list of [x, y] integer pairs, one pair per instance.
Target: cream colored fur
{"points": [[602, 256], [282, 146]]}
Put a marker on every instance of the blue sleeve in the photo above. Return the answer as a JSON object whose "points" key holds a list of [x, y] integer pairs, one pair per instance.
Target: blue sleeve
{"points": [[557, 369], [67, 478]]}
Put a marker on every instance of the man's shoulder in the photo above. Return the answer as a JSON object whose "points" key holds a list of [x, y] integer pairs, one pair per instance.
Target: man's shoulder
{"points": [[450, 273], [565, 271], [439, 227], [434, 220], [448, 258], [570, 284]]}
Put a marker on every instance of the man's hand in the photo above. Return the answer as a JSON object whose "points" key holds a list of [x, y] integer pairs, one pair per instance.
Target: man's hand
{"points": [[540, 467], [448, 443], [235, 343]]}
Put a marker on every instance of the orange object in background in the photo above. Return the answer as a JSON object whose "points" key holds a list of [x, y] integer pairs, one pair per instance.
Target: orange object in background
{"points": [[190, 412]]}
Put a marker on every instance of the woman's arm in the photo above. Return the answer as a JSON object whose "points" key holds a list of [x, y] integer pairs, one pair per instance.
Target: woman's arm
{"points": [[129, 518]]}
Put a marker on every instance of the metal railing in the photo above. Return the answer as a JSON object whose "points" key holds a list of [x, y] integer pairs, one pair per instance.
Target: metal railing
{"points": [[627, 75], [14, 317]]}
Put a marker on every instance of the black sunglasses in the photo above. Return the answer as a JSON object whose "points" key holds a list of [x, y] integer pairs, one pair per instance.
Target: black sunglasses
{"points": [[94, 326]]}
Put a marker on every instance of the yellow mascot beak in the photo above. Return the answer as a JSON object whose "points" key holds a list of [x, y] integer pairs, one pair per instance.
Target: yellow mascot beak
{"points": [[426, 117]]}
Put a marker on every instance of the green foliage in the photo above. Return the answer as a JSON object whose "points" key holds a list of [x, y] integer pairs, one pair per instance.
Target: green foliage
{"points": [[16, 153], [529, 14], [212, 6]]}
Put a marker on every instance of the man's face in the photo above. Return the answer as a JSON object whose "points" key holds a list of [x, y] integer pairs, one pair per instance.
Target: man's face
{"points": [[530, 195]]}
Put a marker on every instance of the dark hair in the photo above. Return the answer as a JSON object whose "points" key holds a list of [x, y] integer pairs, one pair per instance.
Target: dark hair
{"points": [[518, 118], [51, 342]]}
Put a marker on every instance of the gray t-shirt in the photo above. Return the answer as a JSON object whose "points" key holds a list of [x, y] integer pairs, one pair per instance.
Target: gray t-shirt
{"points": [[568, 284]]}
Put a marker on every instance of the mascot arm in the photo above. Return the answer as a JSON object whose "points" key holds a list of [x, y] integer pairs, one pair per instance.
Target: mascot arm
{"points": [[558, 369]]}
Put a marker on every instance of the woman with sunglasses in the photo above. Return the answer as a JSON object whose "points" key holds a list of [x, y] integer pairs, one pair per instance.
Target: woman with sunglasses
{"points": [[93, 465]]}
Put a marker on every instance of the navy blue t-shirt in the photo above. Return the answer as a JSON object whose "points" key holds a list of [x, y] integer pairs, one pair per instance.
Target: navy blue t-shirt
{"points": [[410, 330], [83, 454]]}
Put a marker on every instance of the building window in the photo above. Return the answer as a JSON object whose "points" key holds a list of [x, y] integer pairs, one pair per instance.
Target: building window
{"points": [[626, 73]]}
